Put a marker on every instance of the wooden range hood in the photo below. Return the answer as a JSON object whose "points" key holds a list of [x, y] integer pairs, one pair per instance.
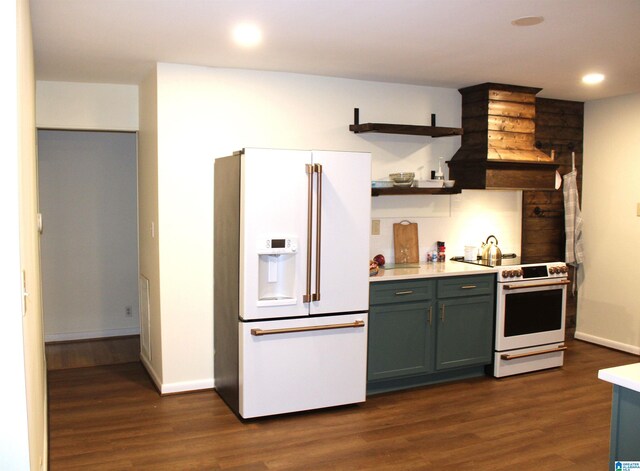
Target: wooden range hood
{"points": [[498, 145]]}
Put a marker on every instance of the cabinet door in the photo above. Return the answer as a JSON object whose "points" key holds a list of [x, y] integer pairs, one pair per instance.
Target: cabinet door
{"points": [[400, 340], [625, 425], [465, 332]]}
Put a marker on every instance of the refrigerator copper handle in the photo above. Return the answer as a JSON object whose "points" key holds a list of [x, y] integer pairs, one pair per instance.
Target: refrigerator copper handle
{"points": [[537, 285], [290, 330], [306, 298], [318, 170], [508, 356]]}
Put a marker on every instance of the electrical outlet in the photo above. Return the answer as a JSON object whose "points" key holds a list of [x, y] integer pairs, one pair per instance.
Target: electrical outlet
{"points": [[128, 312], [638, 210]]}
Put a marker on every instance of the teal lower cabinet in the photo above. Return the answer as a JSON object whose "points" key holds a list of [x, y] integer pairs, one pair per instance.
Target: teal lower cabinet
{"points": [[429, 331], [403, 339], [625, 426], [465, 332]]}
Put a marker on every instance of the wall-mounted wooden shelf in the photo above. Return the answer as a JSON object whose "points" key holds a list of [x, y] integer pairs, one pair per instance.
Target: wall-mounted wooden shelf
{"points": [[407, 129], [414, 191]]}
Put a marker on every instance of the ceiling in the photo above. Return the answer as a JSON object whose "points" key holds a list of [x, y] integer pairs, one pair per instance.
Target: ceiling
{"points": [[441, 43]]}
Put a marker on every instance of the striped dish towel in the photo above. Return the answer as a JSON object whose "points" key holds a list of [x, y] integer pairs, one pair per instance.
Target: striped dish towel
{"points": [[574, 253]]}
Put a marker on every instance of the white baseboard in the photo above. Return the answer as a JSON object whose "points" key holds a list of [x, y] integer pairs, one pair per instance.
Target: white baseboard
{"points": [[174, 388], [608, 343], [186, 386], [94, 334]]}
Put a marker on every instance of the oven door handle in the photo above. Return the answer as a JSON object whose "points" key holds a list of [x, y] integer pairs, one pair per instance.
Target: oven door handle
{"points": [[508, 356], [537, 285]]}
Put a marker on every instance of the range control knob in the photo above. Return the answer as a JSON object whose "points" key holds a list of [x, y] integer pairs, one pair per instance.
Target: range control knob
{"points": [[518, 272], [506, 274], [553, 270], [564, 269]]}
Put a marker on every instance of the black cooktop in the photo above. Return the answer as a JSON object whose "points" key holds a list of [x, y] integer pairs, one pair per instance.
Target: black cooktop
{"points": [[508, 259]]}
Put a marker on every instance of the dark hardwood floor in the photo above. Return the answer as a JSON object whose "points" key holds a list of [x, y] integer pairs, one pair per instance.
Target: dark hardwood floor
{"points": [[112, 418], [92, 352]]}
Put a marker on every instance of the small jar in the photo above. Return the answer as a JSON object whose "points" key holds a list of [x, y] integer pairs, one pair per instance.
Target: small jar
{"points": [[441, 254]]}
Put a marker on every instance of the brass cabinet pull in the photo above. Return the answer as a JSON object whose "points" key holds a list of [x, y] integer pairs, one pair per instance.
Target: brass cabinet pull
{"points": [[442, 313], [468, 287], [507, 356], [537, 285], [318, 169], [430, 314], [402, 293], [306, 298], [259, 332]]}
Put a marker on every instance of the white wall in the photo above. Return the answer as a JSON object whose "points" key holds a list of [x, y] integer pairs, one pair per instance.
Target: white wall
{"points": [[204, 113], [23, 428], [608, 302], [148, 220], [35, 363], [95, 106], [88, 201], [14, 440], [458, 220]]}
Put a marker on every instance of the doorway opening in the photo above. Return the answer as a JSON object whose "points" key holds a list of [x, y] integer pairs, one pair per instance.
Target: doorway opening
{"points": [[87, 185]]}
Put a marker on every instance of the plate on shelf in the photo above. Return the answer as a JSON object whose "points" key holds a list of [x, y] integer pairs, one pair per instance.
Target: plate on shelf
{"points": [[430, 183], [381, 184]]}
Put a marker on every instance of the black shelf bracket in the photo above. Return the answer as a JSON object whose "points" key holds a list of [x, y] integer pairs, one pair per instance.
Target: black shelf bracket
{"points": [[407, 129], [356, 117]]}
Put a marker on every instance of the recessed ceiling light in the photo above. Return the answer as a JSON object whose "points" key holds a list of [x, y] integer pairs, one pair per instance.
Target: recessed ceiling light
{"points": [[527, 21], [247, 35], [592, 79]]}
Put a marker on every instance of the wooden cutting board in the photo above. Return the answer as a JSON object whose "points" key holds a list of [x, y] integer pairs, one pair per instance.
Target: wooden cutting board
{"points": [[405, 242]]}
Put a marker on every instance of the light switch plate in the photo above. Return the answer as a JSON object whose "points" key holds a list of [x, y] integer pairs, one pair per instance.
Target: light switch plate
{"points": [[375, 227]]}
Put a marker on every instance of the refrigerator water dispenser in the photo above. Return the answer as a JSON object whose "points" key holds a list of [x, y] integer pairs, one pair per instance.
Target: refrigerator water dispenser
{"points": [[276, 271]]}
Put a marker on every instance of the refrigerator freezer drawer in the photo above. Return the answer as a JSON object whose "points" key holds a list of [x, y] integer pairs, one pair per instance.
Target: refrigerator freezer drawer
{"points": [[302, 364]]}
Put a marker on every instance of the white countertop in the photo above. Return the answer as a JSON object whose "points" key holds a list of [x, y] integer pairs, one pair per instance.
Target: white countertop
{"points": [[627, 376], [430, 270]]}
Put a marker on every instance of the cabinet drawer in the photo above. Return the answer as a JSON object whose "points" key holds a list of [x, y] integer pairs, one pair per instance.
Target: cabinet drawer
{"points": [[401, 291], [457, 286]]}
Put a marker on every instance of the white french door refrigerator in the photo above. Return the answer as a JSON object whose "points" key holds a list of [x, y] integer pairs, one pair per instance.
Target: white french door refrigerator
{"points": [[291, 287]]}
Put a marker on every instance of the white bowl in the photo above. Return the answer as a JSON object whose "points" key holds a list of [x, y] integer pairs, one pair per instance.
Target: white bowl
{"points": [[402, 177], [449, 183]]}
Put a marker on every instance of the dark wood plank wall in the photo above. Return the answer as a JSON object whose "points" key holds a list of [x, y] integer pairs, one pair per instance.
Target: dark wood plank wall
{"points": [[559, 127]]}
